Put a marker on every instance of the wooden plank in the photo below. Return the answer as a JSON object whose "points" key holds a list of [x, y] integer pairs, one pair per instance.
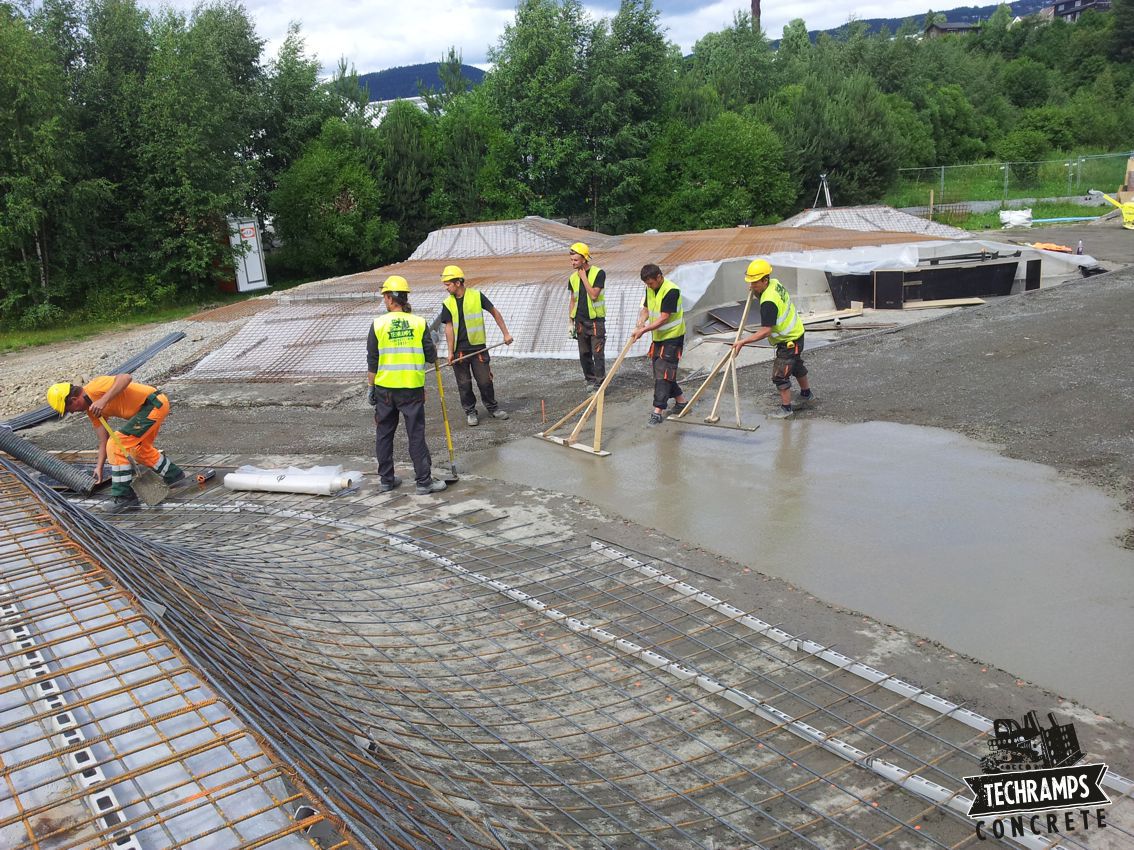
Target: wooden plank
{"points": [[855, 309], [943, 302], [579, 446], [684, 421]]}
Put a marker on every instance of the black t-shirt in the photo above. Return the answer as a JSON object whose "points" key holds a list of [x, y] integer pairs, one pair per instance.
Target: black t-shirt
{"points": [[462, 338], [768, 314], [669, 303]]}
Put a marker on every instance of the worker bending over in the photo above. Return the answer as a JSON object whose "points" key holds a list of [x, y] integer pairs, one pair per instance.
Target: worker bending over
{"points": [[586, 311], [397, 349], [662, 315], [783, 328], [143, 407], [463, 315]]}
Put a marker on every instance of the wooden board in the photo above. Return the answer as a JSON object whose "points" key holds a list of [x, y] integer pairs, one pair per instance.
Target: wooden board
{"points": [[583, 447], [730, 426], [943, 302]]}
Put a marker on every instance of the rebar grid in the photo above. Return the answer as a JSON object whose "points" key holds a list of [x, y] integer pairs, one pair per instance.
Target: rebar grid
{"points": [[109, 737], [445, 681]]}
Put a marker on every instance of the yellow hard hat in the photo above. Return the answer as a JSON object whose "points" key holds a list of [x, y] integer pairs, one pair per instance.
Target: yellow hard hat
{"points": [[395, 283], [452, 273], [57, 397], [757, 269], [582, 250]]}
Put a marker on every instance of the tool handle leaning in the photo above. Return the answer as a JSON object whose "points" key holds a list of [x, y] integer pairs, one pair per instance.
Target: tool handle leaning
{"points": [[437, 366]]}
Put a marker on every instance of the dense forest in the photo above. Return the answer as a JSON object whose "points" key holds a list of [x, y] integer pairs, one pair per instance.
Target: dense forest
{"points": [[408, 80], [129, 135]]}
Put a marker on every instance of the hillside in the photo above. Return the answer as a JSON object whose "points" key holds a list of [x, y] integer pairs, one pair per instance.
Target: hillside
{"points": [[960, 14], [406, 80]]}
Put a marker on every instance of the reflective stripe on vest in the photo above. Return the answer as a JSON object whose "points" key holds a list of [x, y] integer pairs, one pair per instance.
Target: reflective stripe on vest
{"points": [[401, 357], [474, 316], [596, 309], [788, 327], [675, 327]]}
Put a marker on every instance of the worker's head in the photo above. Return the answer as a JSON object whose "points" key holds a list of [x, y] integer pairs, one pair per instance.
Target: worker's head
{"points": [[758, 275], [580, 255], [66, 398], [454, 280], [652, 276], [395, 292]]}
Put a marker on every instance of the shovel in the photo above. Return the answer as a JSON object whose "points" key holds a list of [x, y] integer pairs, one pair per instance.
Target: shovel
{"points": [[147, 484], [451, 473]]}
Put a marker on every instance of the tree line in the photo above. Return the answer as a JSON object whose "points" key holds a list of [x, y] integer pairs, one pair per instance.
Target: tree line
{"points": [[129, 135]]}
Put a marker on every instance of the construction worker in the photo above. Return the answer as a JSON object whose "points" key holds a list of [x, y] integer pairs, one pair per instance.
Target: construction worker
{"points": [[783, 328], [397, 349], [143, 407], [662, 315], [586, 310], [462, 313]]}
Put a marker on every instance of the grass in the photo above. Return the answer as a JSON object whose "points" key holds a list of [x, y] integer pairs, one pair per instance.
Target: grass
{"points": [[991, 220]]}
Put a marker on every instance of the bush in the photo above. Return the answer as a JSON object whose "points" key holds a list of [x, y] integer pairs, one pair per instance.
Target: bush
{"points": [[1023, 149], [41, 316]]}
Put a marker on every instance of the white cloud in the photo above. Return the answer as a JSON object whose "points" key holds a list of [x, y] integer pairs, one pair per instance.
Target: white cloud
{"points": [[373, 36]]}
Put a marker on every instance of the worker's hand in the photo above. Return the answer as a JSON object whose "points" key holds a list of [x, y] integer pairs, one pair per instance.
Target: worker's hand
{"points": [[571, 331], [98, 472], [508, 339], [450, 360], [97, 407], [736, 346], [636, 334], [372, 395]]}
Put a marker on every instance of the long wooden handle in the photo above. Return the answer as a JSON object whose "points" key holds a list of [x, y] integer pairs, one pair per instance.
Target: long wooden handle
{"points": [[601, 390], [114, 437], [465, 356]]}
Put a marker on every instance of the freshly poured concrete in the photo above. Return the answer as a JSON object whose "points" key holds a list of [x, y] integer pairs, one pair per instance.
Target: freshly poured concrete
{"points": [[999, 559]]}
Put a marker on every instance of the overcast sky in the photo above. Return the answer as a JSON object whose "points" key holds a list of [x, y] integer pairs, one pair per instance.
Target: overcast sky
{"points": [[383, 34]]}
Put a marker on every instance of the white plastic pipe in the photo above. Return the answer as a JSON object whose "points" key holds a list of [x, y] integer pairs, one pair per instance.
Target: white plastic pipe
{"points": [[319, 484]]}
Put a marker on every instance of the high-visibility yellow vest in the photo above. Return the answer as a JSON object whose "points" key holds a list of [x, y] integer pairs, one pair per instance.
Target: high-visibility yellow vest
{"points": [[401, 357], [474, 316], [789, 326], [596, 308], [673, 328]]}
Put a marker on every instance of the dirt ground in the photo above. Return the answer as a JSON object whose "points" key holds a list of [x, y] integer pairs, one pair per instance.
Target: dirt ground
{"points": [[1048, 376]]}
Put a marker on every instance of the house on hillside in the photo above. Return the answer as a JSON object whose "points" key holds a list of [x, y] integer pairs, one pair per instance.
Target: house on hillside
{"points": [[1070, 10], [951, 28]]}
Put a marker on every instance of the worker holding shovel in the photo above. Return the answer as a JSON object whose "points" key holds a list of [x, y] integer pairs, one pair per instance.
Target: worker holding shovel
{"points": [[143, 407], [662, 316]]}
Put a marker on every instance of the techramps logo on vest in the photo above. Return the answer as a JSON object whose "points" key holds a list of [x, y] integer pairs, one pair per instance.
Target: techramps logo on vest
{"points": [[1031, 784]]}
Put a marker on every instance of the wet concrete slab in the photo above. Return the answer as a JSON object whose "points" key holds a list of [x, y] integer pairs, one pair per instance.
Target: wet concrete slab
{"points": [[999, 559]]}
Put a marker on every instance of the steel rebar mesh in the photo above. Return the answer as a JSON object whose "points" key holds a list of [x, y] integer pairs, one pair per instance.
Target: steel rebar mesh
{"points": [[471, 680]]}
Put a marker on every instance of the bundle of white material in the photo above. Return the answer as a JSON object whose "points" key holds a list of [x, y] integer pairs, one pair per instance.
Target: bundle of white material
{"points": [[1016, 218], [316, 481]]}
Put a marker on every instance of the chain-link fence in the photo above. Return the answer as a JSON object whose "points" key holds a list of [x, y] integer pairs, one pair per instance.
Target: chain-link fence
{"points": [[1005, 181]]}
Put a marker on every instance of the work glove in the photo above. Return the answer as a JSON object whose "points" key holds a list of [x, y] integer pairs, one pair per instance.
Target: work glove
{"points": [[372, 395], [571, 331]]}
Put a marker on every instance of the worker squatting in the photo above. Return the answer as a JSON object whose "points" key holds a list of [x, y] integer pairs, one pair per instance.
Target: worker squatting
{"points": [[1046, 823]]}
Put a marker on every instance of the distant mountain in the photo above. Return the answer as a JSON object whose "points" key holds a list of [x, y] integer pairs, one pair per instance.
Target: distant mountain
{"points": [[403, 81], [959, 15]]}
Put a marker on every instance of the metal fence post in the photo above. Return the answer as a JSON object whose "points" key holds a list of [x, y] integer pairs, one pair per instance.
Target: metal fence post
{"points": [[1005, 167], [942, 199]]}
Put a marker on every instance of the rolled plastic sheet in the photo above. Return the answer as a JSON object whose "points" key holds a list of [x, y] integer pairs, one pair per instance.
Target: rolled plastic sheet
{"points": [[39, 460], [317, 481]]}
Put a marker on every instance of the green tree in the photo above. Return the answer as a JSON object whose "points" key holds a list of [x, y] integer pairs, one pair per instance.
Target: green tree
{"points": [[405, 171], [794, 54], [737, 62], [454, 83], [1122, 31], [1026, 83], [328, 206], [1023, 149]]}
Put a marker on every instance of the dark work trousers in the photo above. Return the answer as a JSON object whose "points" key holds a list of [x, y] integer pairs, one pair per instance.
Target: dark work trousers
{"points": [[591, 336], [475, 366], [664, 356], [411, 405]]}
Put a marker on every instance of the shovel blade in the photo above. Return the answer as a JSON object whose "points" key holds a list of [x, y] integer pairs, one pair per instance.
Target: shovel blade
{"points": [[148, 486]]}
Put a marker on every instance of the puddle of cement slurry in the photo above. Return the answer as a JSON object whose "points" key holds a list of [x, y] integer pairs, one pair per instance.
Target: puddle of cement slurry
{"points": [[999, 559]]}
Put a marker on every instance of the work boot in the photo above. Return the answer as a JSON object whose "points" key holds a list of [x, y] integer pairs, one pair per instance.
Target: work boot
{"points": [[656, 418], [386, 486], [431, 487], [499, 414], [119, 504], [177, 479], [781, 413], [472, 419], [805, 400], [678, 407], [590, 387]]}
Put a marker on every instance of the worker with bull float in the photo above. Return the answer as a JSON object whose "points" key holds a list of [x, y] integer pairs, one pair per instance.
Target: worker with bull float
{"points": [[662, 315], [143, 407], [397, 348], [462, 313], [782, 326], [586, 310]]}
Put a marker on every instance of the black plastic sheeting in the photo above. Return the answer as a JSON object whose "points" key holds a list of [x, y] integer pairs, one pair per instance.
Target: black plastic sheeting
{"points": [[45, 413]]}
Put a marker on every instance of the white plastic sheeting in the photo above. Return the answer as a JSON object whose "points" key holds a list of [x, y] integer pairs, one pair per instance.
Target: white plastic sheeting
{"points": [[316, 481]]}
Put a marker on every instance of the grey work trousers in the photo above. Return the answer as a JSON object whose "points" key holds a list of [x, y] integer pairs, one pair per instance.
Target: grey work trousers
{"points": [[590, 334], [410, 405], [475, 366]]}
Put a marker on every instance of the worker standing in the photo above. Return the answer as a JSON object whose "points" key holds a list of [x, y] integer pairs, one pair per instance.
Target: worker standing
{"points": [[143, 407], [783, 328], [586, 310], [397, 349], [662, 315], [462, 313]]}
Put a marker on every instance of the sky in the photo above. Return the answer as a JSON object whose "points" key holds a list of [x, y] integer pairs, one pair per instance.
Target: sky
{"points": [[384, 34]]}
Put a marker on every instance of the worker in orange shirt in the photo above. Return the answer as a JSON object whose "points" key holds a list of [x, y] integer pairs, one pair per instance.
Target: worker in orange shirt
{"points": [[143, 407]]}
